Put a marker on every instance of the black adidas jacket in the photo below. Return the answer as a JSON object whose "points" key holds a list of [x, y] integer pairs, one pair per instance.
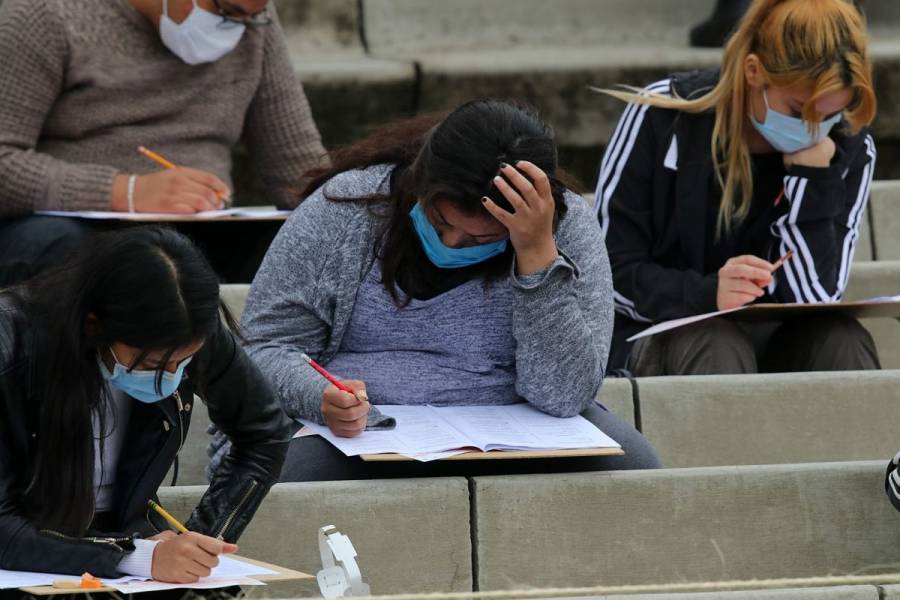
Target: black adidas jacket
{"points": [[652, 197]]}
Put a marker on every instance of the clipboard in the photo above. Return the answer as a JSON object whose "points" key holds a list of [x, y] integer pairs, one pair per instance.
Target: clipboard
{"points": [[282, 574], [858, 310], [503, 455], [872, 308]]}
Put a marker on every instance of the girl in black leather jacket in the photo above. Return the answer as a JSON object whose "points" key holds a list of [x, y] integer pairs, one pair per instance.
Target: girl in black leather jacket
{"points": [[101, 363]]}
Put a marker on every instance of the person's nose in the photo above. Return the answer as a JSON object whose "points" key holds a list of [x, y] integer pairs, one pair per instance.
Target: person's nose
{"points": [[452, 238]]}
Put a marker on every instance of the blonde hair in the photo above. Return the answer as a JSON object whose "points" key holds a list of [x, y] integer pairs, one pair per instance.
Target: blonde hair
{"points": [[818, 42]]}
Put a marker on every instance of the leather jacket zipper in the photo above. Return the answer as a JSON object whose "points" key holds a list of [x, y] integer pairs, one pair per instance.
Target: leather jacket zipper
{"points": [[180, 420], [237, 508], [114, 542]]}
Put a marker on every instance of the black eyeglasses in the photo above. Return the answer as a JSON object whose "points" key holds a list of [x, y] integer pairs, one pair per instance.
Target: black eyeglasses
{"points": [[263, 17]]}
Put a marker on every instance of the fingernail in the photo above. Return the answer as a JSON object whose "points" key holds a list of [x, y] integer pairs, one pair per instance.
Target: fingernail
{"points": [[484, 199], [498, 179], [503, 165]]}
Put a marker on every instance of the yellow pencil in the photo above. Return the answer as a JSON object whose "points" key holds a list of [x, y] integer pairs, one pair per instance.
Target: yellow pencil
{"points": [[165, 163], [156, 157], [165, 515]]}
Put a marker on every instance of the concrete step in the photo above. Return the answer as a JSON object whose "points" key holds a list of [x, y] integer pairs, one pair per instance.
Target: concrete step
{"points": [[683, 525], [370, 61], [719, 420], [411, 535], [580, 530]]}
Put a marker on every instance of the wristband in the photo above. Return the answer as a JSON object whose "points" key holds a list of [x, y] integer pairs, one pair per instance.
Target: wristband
{"points": [[132, 179]]}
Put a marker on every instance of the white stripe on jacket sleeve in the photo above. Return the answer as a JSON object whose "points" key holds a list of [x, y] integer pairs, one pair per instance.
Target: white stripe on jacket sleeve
{"points": [[619, 150], [801, 273]]}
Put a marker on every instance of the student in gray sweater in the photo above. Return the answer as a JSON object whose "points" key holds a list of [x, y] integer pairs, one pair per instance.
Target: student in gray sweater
{"points": [[438, 263], [86, 82]]}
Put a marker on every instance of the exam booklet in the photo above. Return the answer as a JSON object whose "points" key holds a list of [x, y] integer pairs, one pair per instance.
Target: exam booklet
{"points": [[435, 431]]}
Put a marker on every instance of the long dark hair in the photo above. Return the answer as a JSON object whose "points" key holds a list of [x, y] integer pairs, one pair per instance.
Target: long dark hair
{"points": [[146, 287], [455, 158]]}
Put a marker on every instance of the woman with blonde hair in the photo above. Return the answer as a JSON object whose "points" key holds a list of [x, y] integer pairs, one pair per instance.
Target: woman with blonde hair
{"points": [[711, 176]]}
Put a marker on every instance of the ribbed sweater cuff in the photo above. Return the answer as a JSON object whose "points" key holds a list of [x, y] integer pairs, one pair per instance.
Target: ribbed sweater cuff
{"points": [[83, 187], [140, 562]]}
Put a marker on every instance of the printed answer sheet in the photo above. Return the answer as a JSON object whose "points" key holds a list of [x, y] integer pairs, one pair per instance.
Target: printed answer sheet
{"points": [[99, 215], [429, 432], [230, 572]]}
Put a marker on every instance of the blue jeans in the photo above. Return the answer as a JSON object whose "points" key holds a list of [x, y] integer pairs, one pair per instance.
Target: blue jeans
{"points": [[29, 245]]}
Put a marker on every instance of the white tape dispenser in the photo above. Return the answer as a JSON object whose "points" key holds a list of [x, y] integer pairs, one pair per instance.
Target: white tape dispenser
{"points": [[340, 576]]}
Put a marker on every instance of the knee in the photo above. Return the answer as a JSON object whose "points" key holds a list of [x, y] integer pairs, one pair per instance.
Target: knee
{"points": [[57, 235], [714, 342], [835, 331], [639, 452]]}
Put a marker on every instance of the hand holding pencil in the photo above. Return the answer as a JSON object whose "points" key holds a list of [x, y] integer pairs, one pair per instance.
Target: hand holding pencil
{"points": [[186, 557], [743, 279], [175, 189], [345, 404]]}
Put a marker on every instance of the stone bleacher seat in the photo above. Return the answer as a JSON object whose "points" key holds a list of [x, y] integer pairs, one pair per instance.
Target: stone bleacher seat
{"points": [[364, 62], [614, 528]]}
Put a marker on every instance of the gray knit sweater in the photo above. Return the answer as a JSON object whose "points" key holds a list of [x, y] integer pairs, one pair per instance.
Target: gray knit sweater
{"points": [[303, 297], [85, 82]]}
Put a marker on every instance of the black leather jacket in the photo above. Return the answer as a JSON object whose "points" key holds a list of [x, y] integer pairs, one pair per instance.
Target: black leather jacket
{"points": [[240, 403]]}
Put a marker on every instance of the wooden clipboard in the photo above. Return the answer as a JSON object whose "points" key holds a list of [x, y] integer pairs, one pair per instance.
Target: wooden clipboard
{"points": [[857, 310], [282, 574], [503, 455]]}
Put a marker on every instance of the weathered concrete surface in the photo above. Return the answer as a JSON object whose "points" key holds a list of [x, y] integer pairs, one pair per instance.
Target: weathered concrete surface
{"points": [[859, 592], [683, 525], [411, 535], [884, 206], [762, 419], [616, 395], [880, 278]]}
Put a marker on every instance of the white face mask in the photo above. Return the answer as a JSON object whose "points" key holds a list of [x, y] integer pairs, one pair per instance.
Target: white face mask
{"points": [[201, 38]]}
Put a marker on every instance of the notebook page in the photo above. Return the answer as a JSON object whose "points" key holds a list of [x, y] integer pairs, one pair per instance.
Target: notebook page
{"points": [[419, 431], [488, 426], [523, 427]]}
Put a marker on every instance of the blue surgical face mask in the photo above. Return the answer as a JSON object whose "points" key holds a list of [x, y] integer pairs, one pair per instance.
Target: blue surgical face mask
{"points": [[141, 385], [790, 134], [446, 257]]}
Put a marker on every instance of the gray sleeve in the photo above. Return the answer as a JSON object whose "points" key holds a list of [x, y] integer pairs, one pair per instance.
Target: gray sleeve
{"points": [[289, 312], [33, 55], [563, 319], [280, 132]]}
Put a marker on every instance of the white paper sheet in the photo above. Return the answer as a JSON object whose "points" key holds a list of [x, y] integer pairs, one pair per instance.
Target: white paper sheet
{"points": [[205, 583], [17, 579], [430, 433], [204, 215], [676, 323], [229, 572]]}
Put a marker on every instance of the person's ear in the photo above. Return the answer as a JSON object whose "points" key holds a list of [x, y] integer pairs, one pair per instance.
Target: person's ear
{"points": [[753, 72]]}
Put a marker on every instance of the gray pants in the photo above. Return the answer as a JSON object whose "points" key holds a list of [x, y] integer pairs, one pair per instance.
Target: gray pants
{"points": [[314, 459], [827, 342]]}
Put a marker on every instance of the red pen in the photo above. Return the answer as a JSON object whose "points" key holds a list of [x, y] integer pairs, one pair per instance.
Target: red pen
{"points": [[331, 377]]}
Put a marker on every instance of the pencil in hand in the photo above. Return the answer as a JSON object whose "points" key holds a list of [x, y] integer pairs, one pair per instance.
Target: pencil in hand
{"points": [[778, 263], [167, 164], [165, 515]]}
